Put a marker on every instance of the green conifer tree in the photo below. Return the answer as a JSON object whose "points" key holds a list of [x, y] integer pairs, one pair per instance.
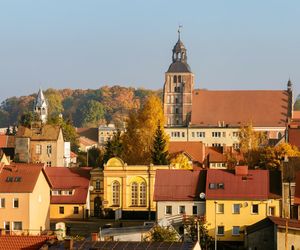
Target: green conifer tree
{"points": [[113, 147], [159, 153]]}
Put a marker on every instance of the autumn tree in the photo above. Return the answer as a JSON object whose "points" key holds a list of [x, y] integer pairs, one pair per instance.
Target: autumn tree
{"points": [[159, 153], [140, 131], [27, 118], [250, 142], [92, 113], [54, 101], [181, 161], [160, 234]]}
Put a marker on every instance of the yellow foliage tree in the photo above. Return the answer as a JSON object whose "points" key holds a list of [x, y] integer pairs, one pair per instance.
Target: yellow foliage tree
{"points": [[180, 161], [140, 131]]}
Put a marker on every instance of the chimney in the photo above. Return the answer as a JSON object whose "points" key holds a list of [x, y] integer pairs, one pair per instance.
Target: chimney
{"points": [[241, 170], [94, 237], [68, 244]]}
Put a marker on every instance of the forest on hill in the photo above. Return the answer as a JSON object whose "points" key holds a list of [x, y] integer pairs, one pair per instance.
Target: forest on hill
{"points": [[84, 108]]}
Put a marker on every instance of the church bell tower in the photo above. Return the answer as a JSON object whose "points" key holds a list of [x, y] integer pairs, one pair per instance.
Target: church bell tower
{"points": [[178, 88]]}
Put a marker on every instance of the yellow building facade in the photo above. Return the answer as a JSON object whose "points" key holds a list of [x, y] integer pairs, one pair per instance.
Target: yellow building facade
{"points": [[129, 187], [230, 217], [68, 211]]}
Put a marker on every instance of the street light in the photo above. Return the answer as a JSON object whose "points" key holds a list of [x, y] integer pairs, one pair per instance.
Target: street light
{"points": [[216, 224]]}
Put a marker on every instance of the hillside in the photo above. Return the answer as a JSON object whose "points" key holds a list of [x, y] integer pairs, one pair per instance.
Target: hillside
{"points": [[83, 107]]}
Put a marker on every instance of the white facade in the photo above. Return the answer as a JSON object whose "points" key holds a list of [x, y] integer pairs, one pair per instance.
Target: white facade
{"points": [[173, 210], [67, 154]]}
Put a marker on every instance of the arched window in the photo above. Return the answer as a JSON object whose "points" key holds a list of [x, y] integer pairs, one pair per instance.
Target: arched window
{"points": [[179, 79], [116, 193], [143, 193], [175, 79], [134, 194], [292, 248]]}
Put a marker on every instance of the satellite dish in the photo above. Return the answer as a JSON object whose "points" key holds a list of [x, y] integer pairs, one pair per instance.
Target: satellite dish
{"points": [[202, 195], [91, 188]]}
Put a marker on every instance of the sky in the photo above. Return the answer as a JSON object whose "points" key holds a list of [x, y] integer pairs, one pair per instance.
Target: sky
{"points": [[231, 44]]}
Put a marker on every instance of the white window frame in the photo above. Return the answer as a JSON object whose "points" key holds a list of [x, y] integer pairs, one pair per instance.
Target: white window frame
{"points": [[257, 209], [239, 208], [218, 230], [14, 224], [143, 194], [269, 210], [218, 206], [116, 193], [38, 149], [16, 199], [168, 206], [234, 230], [179, 208], [49, 149]]}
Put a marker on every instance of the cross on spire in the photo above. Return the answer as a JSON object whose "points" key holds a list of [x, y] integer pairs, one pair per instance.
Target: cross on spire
{"points": [[179, 29]]}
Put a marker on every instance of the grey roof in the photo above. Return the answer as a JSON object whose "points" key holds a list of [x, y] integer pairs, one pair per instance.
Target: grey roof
{"points": [[125, 230], [180, 67], [179, 46], [40, 99]]}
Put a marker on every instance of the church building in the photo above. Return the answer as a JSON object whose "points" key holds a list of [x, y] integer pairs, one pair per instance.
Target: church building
{"points": [[215, 116]]}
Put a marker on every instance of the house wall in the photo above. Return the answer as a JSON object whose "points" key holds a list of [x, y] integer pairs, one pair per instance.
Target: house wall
{"points": [[293, 238], [161, 208], [9, 213], [228, 219], [68, 211], [96, 174], [22, 149], [39, 206], [262, 239]]}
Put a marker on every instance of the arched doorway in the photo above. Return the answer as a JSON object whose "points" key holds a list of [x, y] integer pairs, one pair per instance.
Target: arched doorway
{"points": [[97, 206]]}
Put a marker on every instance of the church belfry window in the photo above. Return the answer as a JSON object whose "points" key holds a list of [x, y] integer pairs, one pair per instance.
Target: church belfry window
{"points": [[175, 79], [179, 78]]}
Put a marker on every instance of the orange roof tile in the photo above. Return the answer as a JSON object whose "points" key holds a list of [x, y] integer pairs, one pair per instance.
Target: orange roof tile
{"points": [[22, 242], [239, 107], [194, 149], [28, 174]]}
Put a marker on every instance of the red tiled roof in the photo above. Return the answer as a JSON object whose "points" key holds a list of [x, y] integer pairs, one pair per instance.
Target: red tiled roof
{"points": [[46, 133], [261, 107], [255, 187], [3, 141], [194, 149], [177, 185], [29, 174], [76, 179], [215, 155], [22, 242], [86, 141], [296, 115], [73, 155], [297, 190], [282, 222]]}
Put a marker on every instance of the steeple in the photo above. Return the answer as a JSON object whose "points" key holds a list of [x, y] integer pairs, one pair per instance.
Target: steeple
{"points": [[179, 57], [41, 106]]}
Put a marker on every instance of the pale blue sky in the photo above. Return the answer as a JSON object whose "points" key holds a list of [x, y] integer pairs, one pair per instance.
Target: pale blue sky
{"points": [[232, 44]]}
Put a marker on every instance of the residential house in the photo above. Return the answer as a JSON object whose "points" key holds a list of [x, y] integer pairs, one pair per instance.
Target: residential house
{"points": [[40, 143], [238, 198], [21, 242], [85, 144], [177, 193], [69, 193], [88, 137], [273, 233], [24, 199], [129, 188], [106, 132]]}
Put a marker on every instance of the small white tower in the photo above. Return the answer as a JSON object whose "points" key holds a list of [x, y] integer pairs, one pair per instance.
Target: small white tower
{"points": [[41, 106]]}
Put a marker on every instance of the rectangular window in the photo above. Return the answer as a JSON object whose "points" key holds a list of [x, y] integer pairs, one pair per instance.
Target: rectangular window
{"points": [[236, 230], [236, 208], [49, 164], [236, 145], [212, 186], [76, 210], [182, 134], [38, 149], [181, 209], [216, 134], [271, 211], [254, 209], [61, 210], [220, 230], [169, 210], [216, 145], [49, 149], [200, 134], [55, 192], [220, 208], [195, 210], [224, 134], [15, 202], [97, 184], [17, 225], [235, 134], [2, 203], [193, 134]]}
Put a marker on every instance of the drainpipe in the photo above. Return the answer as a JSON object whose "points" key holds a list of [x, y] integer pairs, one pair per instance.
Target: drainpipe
{"points": [[149, 195]]}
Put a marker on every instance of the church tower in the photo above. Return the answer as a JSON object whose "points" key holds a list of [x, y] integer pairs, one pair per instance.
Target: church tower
{"points": [[41, 106], [178, 88]]}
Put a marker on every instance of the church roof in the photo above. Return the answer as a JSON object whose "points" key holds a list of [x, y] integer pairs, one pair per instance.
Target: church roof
{"points": [[40, 99], [263, 108], [179, 67]]}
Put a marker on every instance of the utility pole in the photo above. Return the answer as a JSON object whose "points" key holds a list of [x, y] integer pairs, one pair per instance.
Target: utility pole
{"points": [[216, 225]]}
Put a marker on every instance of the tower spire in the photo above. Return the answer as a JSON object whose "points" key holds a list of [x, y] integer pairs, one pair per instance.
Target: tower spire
{"points": [[179, 30]]}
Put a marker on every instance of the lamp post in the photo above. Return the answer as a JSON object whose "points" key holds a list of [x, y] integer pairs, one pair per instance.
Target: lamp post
{"points": [[216, 225]]}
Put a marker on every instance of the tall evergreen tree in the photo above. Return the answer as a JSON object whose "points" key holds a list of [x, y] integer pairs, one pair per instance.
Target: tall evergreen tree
{"points": [[159, 154], [113, 147]]}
